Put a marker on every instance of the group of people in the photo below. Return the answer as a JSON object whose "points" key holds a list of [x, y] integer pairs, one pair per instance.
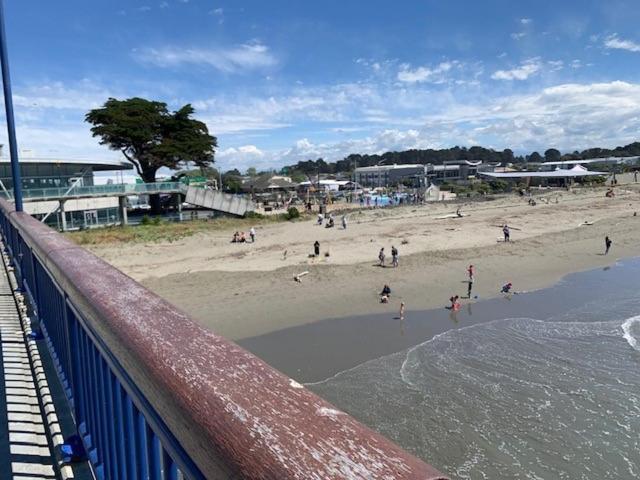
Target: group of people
{"points": [[382, 257], [330, 223], [241, 237]]}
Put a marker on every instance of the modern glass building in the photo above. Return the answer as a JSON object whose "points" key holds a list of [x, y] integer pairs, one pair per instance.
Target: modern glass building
{"points": [[39, 174]]}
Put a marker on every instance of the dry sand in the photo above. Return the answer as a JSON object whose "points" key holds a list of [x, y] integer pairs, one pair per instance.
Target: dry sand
{"points": [[243, 290]]}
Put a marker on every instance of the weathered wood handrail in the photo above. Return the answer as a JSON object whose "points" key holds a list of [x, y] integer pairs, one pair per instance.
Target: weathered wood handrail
{"points": [[204, 399]]}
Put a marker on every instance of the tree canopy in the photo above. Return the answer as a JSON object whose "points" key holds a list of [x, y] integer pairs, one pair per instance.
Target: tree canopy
{"points": [[150, 136]]}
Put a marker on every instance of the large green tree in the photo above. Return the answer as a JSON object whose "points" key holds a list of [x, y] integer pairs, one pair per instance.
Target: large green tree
{"points": [[151, 137]]}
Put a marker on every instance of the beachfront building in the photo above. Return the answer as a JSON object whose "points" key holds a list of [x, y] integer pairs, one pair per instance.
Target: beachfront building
{"points": [[417, 176], [391, 175], [555, 178], [327, 185], [55, 177], [592, 164]]}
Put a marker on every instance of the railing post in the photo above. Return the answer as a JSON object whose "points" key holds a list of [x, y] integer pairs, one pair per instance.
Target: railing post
{"points": [[8, 106]]}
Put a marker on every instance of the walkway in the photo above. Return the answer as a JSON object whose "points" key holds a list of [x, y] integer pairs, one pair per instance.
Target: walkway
{"points": [[24, 446]]}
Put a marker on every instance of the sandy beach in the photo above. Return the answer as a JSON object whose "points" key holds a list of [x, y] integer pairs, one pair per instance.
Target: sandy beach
{"points": [[244, 290]]}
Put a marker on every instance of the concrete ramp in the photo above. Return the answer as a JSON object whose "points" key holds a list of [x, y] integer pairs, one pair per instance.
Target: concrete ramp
{"points": [[216, 200]]}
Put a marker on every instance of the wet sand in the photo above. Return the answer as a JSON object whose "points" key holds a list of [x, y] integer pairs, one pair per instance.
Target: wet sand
{"points": [[315, 352]]}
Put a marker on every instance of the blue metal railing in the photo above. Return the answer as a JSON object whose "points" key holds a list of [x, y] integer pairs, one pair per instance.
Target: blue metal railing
{"points": [[155, 396], [123, 435]]}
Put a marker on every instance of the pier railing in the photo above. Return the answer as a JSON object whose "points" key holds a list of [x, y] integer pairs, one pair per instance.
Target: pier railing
{"points": [[156, 396]]}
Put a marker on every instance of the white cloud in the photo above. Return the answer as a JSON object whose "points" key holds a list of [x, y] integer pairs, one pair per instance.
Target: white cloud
{"points": [[144, 8], [164, 4], [57, 96], [518, 35], [617, 43], [555, 65], [217, 11], [424, 74], [525, 21], [525, 70], [226, 59], [567, 116]]}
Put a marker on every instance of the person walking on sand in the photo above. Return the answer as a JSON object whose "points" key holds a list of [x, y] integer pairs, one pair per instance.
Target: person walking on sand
{"points": [[394, 256], [381, 257], [471, 271], [316, 248], [607, 244], [252, 234], [344, 222], [505, 231]]}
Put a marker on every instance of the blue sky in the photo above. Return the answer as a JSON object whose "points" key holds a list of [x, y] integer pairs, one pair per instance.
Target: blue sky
{"points": [[283, 81]]}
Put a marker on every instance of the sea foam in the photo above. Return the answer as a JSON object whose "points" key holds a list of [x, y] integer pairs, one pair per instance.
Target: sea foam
{"points": [[628, 335]]}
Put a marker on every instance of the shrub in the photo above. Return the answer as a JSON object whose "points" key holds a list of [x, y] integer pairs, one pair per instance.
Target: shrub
{"points": [[292, 212], [146, 220], [253, 215], [498, 186]]}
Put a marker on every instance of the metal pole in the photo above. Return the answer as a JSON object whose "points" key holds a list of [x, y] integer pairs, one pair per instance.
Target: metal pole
{"points": [[8, 105]]}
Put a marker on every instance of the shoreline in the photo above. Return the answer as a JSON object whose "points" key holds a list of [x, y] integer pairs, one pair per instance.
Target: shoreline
{"points": [[314, 353], [242, 291]]}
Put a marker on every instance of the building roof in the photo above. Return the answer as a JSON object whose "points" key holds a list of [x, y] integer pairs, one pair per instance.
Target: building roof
{"points": [[266, 182], [376, 168], [96, 164], [574, 172], [593, 160]]}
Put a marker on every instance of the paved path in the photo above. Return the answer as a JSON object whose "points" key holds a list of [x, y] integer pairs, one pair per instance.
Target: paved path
{"points": [[25, 451]]}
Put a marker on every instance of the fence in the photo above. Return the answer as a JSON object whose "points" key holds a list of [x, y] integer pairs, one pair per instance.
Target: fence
{"points": [[156, 396], [33, 194]]}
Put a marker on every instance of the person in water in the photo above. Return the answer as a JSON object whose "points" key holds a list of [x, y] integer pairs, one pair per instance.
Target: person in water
{"points": [[455, 303], [401, 310]]}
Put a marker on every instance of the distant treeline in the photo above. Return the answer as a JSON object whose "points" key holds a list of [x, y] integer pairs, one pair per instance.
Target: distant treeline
{"points": [[438, 157]]}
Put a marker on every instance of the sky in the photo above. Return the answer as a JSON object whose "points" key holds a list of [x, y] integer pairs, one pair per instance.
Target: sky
{"points": [[282, 81]]}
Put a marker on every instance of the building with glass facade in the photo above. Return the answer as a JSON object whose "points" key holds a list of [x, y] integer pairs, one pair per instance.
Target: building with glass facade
{"points": [[39, 174]]}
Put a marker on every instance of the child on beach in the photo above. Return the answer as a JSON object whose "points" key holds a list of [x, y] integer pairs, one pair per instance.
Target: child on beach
{"points": [[394, 256], [401, 310], [607, 244], [381, 257], [506, 288], [505, 231], [344, 222], [455, 304], [471, 272], [252, 234], [320, 219], [316, 248]]}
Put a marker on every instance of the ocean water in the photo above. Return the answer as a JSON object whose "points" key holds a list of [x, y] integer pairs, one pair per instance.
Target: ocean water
{"points": [[556, 397]]}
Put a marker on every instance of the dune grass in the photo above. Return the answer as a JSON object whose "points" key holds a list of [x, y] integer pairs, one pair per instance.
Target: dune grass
{"points": [[161, 231]]}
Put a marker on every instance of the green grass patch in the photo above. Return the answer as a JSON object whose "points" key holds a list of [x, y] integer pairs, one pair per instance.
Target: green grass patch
{"points": [[155, 230]]}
